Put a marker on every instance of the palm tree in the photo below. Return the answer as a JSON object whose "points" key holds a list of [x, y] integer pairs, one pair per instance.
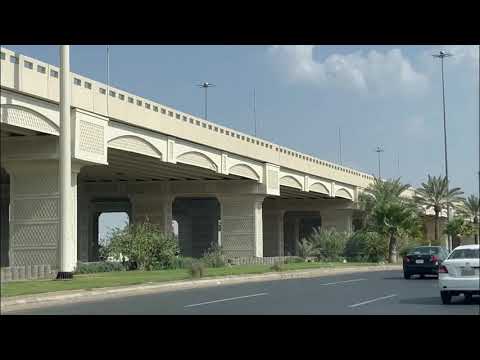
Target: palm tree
{"points": [[471, 209], [458, 227], [387, 212], [380, 191], [434, 194], [393, 218]]}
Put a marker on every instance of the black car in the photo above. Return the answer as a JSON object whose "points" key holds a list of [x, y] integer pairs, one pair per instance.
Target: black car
{"points": [[423, 260]]}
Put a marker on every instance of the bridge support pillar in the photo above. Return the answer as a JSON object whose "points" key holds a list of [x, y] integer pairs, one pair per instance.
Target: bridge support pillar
{"points": [[156, 208], [340, 219], [273, 238], [34, 226], [242, 225]]}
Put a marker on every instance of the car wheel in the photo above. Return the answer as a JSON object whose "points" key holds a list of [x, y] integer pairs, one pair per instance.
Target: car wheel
{"points": [[406, 275], [446, 297], [468, 298]]}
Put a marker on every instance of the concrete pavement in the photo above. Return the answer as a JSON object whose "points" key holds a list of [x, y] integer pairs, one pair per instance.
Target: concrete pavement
{"points": [[62, 297], [379, 292]]}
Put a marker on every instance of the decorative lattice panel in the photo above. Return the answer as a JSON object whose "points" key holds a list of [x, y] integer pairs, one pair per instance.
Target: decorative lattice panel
{"points": [[35, 209], [40, 184], [27, 118], [238, 242], [238, 209], [91, 138], [24, 257], [239, 225], [272, 179], [33, 235]]}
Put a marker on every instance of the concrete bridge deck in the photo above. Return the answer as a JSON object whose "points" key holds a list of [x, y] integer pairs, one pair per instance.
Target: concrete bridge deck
{"points": [[135, 155]]}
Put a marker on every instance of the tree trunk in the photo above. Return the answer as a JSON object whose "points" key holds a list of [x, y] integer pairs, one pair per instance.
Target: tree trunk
{"points": [[436, 227], [477, 229], [392, 254]]}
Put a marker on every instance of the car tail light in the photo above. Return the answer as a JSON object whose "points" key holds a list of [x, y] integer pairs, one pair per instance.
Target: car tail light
{"points": [[406, 259], [443, 269], [434, 258]]}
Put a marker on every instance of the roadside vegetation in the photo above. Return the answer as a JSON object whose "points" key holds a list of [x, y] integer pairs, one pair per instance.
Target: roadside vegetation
{"points": [[391, 225], [138, 277]]}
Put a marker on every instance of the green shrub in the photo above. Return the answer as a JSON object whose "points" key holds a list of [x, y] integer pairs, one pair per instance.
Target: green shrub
{"points": [[376, 247], [355, 247], [196, 269], [181, 262], [277, 266], [306, 249], [366, 246], [294, 260], [329, 243], [214, 257], [143, 246], [98, 267]]}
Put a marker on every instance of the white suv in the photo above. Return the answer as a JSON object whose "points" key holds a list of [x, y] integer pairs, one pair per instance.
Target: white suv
{"points": [[459, 273]]}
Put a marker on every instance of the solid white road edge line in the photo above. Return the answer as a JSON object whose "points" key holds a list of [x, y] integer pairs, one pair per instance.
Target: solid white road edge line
{"points": [[229, 299], [370, 301], [342, 282]]}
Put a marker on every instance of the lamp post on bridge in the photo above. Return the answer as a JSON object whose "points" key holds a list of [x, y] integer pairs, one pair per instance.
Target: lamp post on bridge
{"points": [[379, 150], [206, 85]]}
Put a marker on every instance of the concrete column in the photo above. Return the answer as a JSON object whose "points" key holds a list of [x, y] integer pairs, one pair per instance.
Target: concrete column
{"points": [[242, 233], [34, 229], [341, 220], [4, 217], [273, 238], [157, 208], [67, 245], [296, 233], [85, 230]]}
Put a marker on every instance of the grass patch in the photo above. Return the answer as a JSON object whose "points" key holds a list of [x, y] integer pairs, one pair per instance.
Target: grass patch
{"points": [[125, 278]]}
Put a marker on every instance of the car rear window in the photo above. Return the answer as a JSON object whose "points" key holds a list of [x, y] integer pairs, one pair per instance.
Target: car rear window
{"points": [[465, 254], [426, 251]]}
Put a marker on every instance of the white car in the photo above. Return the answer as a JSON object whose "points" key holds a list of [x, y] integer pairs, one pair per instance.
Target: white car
{"points": [[459, 273]]}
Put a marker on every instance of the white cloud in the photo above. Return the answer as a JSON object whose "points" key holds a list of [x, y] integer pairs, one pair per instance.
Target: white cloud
{"points": [[373, 73]]}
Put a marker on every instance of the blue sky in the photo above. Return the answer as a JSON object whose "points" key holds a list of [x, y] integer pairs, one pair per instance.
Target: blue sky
{"points": [[377, 95]]}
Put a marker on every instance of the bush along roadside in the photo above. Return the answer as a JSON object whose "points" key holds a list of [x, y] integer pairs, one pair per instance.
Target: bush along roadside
{"points": [[143, 246], [99, 267]]}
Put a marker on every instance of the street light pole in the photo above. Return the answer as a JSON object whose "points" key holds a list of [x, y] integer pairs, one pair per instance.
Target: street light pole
{"points": [[254, 112], [441, 55], [206, 85], [66, 266], [478, 140], [378, 151]]}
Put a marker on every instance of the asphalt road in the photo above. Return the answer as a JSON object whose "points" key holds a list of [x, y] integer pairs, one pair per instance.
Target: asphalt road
{"points": [[382, 293]]}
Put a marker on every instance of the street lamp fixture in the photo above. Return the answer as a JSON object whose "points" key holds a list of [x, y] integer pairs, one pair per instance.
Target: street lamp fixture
{"points": [[206, 85], [379, 150]]}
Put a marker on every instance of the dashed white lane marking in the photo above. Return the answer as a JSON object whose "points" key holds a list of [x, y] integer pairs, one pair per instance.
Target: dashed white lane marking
{"points": [[229, 299], [343, 282], [370, 301]]}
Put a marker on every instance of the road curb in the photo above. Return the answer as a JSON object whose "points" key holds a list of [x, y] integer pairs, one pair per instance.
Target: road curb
{"points": [[48, 299]]}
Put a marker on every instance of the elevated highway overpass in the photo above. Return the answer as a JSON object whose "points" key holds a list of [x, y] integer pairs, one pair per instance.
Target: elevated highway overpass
{"points": [[132, 154]]}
